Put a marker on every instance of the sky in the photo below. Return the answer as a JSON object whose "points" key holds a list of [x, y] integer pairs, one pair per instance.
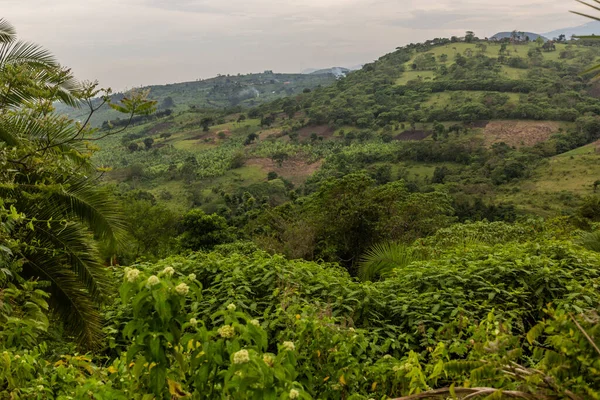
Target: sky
{"points": [[132, 43]]}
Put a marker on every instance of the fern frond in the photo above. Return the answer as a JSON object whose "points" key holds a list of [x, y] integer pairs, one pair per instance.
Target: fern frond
{"points": [[382, 258]]}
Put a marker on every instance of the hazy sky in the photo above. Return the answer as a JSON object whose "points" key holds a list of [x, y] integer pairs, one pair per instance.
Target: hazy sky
{"points": [[127, 43]]}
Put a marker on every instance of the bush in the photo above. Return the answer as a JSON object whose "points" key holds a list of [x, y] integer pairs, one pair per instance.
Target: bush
{"points": [[204, 231]]}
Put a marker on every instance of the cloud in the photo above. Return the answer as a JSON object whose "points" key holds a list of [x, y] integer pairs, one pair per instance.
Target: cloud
{"points": [[125, 43]]}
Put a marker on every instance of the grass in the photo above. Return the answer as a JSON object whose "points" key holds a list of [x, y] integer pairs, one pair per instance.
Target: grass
{"points": [[491, 50], [583, 150], [513, 73], [412, 75], [557, 184]]}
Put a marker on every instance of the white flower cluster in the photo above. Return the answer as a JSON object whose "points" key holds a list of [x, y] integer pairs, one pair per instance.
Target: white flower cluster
{"points": [[255, 322], [152, 281], [231, 307], [268, 360], [226, 331], [193, 322], [182, 289], [169, 271], [132, 274], [192, 277], [241, 357], [289, 346], [294, 394]]}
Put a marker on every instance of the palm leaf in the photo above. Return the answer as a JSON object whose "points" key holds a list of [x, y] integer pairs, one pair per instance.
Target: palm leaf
{"points": [[94, 208], [80, 253], [14, 53], [7, 31], [590, 241], [589, 37], [19, 128], [382, 258], [69, 298], [65, 255]]}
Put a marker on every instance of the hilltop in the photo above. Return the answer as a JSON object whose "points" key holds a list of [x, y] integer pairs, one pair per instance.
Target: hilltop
{"points": [[225, 91], [522, 36]]}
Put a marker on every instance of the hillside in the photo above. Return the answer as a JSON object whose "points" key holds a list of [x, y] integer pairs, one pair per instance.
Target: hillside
{"points": [[426, 227], [430, 114], [221, 92]]}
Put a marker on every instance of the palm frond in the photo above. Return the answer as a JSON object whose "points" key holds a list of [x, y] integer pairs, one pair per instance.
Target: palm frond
{"points": [[15, 53], [589, 37], [94, 208], [65, 254], [52, 130], [7, 31], [589, 5], [69, 298], [382, 258], [7, 135], [62, 84], [590, 241], [73, 246]]}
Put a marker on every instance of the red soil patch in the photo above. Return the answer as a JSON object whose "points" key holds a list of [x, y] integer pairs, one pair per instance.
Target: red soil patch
{"points": [[321, 130], [160, 128], [210, 135], [413, 135], [519, 133], [293, 170], [480, 124]]}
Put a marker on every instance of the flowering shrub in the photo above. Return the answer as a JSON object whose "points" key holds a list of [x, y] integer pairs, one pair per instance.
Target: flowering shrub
{"points": [[195, 328], [173, 353]]}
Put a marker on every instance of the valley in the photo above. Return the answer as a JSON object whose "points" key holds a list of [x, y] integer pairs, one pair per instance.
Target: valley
{"points": [[426, 226]]}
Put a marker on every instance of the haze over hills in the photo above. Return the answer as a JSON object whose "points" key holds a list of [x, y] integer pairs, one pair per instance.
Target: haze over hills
{"points": [[402, 97], [427, 226], [223, 91], [591, 28]]}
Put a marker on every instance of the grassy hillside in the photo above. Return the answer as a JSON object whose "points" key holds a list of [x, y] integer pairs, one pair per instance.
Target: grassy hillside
{"points": [[414, 114], [225, 91]]}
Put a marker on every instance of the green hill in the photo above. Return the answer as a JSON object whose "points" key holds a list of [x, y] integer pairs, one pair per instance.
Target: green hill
{"points": [[225, 91], [478, 119]]}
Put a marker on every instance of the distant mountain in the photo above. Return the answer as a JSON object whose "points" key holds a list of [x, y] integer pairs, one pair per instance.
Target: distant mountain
{"points": [[337, 71], [521, 36], [591, 28], [223, 91]]}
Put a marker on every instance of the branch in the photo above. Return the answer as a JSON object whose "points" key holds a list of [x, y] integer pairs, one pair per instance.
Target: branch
{"points": [[589, 339], [470, 393]]}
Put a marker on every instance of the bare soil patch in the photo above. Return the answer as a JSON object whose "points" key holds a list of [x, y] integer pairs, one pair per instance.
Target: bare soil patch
{"points": [[294, 170], [519, 133], [413, 135], [480, 124], [268, 133], [321, 130], [160, 128], [210, 135]]}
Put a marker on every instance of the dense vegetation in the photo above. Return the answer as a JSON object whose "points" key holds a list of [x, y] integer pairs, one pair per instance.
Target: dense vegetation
{"points": [[363, 240]]}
